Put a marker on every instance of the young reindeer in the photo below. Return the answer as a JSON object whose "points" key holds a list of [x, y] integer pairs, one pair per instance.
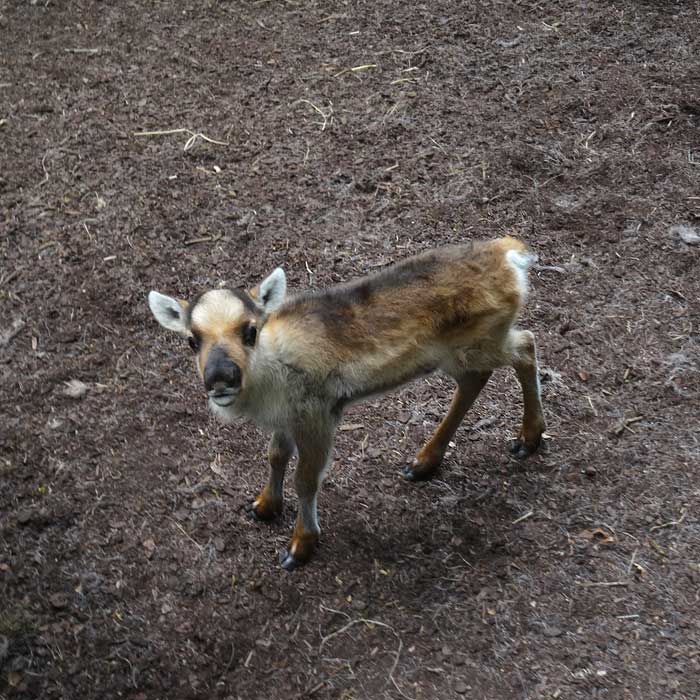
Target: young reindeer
{"points": [[292, 365]]}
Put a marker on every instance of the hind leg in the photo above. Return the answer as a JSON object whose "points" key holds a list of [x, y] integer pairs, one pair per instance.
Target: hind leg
{"points": [[524, 361], [427, 461]]}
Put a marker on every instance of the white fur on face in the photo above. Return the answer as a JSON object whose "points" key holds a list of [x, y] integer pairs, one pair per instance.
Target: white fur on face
{"points": [[226, 414], [216, 310]]}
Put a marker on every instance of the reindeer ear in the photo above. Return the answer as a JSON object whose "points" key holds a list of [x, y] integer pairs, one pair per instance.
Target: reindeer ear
{"points": [[169, 312], [271, 291]]}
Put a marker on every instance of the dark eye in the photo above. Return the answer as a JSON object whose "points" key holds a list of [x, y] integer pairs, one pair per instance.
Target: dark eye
{"points": [[194, 343], [250, 333]]}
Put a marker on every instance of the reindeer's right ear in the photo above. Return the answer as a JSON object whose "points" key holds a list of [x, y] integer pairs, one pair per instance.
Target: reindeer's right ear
{"points": [[169, 312]]}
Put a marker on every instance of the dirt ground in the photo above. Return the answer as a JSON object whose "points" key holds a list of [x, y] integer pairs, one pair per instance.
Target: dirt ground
{"points": [[340, 137]]}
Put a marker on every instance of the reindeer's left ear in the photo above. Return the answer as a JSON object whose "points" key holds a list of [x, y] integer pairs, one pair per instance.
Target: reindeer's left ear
{"points": [[271, 291]]}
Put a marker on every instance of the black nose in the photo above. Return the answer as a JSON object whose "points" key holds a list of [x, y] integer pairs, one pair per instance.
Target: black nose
{"points": [[221, 372]]}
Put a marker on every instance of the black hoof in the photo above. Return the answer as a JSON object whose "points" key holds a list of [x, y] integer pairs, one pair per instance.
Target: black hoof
{"points": [[249, 508], [520, 450], [258, 516], [288, 561], [411, 475]]}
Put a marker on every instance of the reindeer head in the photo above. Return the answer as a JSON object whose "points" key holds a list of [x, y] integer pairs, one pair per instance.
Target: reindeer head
{"points": [[221, 327]]}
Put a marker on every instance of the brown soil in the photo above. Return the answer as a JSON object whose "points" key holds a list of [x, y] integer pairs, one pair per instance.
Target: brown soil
{"points": [[357, 133]]}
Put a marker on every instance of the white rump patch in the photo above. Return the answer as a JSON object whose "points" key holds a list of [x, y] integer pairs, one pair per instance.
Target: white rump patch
{"points": [[521, 263]]}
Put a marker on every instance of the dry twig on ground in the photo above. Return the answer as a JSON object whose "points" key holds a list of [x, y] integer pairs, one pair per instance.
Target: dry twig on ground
{"points": [[194, 136]]}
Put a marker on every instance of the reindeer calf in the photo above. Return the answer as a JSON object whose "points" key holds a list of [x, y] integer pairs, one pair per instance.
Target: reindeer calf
{"points": [[292, 365]]}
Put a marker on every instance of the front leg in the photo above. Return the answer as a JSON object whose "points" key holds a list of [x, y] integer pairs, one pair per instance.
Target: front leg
{"points": [[268, 504], [314, 446]]}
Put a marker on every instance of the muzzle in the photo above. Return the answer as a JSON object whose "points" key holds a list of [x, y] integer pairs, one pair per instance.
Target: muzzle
{"points": [[222, 377]]}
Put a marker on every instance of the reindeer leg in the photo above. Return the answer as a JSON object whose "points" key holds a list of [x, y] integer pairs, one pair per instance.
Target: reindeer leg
{"points": [[268, 504], [314, 456], [428, 460], [524, 360]]}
